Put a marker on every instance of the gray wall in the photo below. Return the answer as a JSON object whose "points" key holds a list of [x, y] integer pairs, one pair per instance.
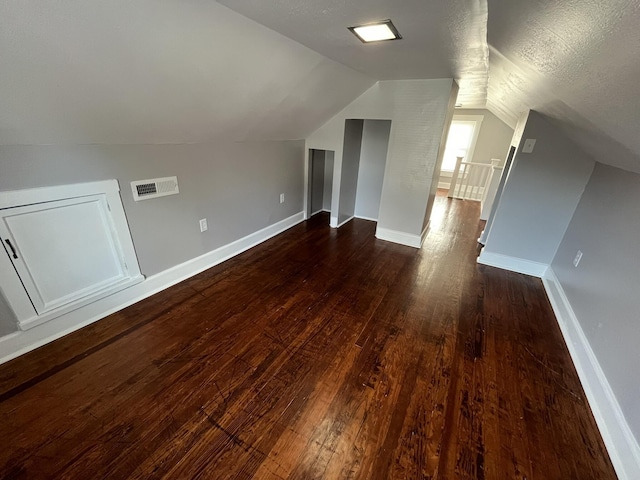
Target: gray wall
{"points": [[328, 180], [236, 186], [540, 195], [603, 289], [317, 182], [8, 322], [350, 166], [494, 137], [373, 158]]}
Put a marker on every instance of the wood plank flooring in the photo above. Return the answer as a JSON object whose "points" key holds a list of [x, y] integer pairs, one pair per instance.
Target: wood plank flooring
{"points": [[320, 354]]}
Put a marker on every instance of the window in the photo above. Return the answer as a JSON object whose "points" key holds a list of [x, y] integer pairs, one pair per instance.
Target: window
{"points": [[461, 140]]}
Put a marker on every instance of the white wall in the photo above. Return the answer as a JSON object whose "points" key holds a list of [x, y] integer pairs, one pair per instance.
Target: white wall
{"points": [[603, 289], [373, 158], [541, 193], [418, 110]]}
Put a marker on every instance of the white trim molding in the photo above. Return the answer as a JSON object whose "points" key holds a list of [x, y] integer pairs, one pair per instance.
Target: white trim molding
{"points": [[345, 221], [425, 232], [21, 342], [621, 444], [361, 217], [402, 238], [514, 264]]}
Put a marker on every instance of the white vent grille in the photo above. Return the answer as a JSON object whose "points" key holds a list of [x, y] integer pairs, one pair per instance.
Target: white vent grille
{"points": [[154, 188]]}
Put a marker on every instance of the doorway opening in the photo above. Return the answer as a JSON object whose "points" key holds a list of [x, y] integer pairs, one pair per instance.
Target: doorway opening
{"points": [[320, 181], [361, 176], [461, 144], [364, 159]]}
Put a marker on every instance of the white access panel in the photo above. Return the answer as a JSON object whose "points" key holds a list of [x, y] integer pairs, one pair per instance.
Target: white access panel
{"points": [[65, 247]]}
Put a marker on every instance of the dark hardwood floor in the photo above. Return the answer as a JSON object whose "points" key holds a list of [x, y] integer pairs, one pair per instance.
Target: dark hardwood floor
{"points": [[319, 354]]}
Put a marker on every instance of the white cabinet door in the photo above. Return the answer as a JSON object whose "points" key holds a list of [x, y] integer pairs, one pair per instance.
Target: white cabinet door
{"points": [[68, 246], [63, 250]]}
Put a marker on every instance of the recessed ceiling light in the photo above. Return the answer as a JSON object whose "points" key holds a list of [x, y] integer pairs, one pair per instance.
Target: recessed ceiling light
{"points": [[376, 32]]}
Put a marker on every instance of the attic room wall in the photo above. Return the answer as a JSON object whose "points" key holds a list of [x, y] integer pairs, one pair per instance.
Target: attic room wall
{"points": [[236, 186], [328, 180], [540, 195], [418, 110], [316, 202], [603, 289], [373, 157], [7, 318], [352, 147]]}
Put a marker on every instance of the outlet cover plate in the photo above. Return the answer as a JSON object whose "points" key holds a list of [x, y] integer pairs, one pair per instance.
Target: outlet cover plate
{"points": [[529, 143], [203, 225]]}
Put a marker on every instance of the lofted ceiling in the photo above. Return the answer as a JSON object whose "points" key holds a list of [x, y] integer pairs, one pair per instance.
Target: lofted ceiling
{"points": [[441, 38], [120, 72], [576, 61], [88, 71]]}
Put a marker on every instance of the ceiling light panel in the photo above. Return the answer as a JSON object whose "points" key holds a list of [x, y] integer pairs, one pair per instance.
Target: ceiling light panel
{"points": [[376, 32]]}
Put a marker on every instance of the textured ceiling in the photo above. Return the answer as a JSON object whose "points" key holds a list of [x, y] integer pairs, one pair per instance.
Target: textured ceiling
{"points": [[89, 71], [576, 61], [441, 38]]}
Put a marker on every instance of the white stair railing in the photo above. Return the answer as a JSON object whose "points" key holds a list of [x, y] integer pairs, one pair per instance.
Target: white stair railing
{"points": [[470, 180]]}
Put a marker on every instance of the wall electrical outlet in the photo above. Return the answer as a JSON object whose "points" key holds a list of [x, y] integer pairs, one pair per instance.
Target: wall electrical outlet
{"points": [[203, 225], [282, 198], [576, 260], [529, 143]]}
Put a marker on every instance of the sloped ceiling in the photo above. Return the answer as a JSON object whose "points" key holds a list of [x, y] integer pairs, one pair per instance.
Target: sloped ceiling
{"points": [[441, 38], [92, 71], [89, 71], [576, 61]]}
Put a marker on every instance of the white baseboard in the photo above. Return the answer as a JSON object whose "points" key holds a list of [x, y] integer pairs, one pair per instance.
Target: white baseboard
{"points": [[481, 239], [424, 233], [444, 185], [21, 342], [514, 264], [367, 218], [345, 221], [621, 444], [402, 238]]}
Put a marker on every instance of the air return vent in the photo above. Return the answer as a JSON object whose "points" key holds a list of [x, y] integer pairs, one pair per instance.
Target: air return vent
{"points": [[153, 188]]}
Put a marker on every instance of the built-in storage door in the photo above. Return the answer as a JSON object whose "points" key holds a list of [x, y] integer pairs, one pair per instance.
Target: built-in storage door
{"points": [[63, 247], [63, 250]]}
